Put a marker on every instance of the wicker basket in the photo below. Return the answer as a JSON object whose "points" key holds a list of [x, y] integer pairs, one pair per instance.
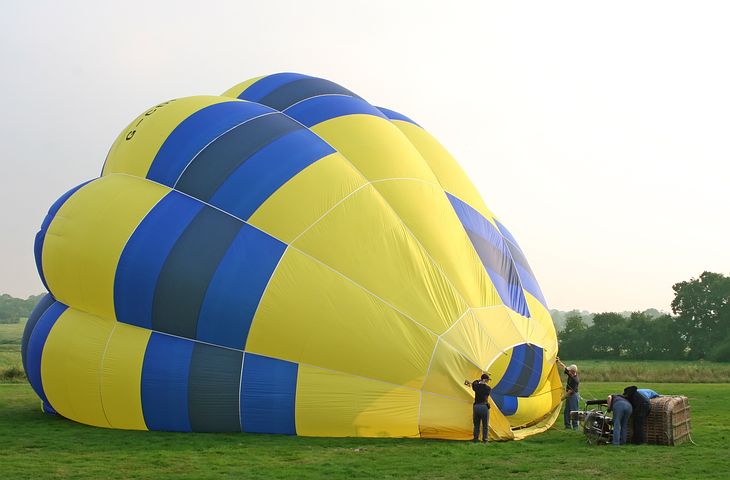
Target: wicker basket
{"points": [[669, 421]]}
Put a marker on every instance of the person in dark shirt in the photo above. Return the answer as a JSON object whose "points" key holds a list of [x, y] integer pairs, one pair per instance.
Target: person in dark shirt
{"points": [[572, 397], [641, 408], [481, 406]]}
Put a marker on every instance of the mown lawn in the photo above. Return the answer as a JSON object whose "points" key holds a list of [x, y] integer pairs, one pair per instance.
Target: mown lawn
{"points": [[39, 446]]}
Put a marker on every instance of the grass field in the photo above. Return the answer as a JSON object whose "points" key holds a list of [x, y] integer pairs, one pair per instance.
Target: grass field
{"points": [[41, 446]]}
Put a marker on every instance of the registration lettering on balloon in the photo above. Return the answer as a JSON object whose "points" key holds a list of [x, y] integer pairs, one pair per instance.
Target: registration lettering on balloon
{"points": [[130, 133], [286, 258]]}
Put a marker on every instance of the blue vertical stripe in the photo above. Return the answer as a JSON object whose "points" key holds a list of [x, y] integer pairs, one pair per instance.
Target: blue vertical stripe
{"points": [[40, 308], [527, 277], [507, 383], [145, 254], [268, 169], [268, 395], [217, 161], [165, 374], [295, 91], [236, 287], [188, 270], [494, 255], [507, 404], [316, 110], [194, 133], [36, 342], [264, 86], [535, 372], [393, 115], [523, 372]]}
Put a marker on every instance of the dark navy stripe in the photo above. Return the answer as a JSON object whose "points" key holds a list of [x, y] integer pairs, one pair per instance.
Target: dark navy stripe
{"points": [[164, 384], [236, 288], [535, 372], [506, 233], [36, 342], [264, 86], [41, 235], [194, 133], [492, 251], [393, 115], [507, 404], [527, 277], [525, 372], [215, 375], [508, 381], [222, 157], [188, 270], [144, 255], [290, 93], [268, 169], [316, 110], [30, 324], [268, 395]]}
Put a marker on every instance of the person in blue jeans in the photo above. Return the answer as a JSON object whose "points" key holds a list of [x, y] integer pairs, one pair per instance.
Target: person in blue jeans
{"points": [[572, 397], [481, 406], [622, 410]]}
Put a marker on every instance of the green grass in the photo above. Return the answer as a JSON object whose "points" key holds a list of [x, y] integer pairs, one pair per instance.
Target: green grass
{"points": [[635, 372], [40, 446], [11, 333]]}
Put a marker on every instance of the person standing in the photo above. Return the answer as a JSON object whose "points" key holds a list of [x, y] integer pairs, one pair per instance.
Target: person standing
{"points": [[622, 409], [572, 397], [481, 406], [641, 408]]}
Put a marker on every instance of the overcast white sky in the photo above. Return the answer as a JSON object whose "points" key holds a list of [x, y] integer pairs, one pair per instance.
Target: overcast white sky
{"points": [[597, 131]]}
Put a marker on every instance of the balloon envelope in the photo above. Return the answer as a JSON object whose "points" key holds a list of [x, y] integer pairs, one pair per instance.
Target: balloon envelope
{"points": [[286, 258]]}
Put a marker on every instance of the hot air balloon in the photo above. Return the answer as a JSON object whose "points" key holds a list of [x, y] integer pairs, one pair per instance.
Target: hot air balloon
{"points": [[286, 258]]}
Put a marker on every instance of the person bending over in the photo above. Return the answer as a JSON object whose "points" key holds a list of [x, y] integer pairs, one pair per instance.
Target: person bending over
{"points": [[622, 409], [572, 397], [481, 406]]}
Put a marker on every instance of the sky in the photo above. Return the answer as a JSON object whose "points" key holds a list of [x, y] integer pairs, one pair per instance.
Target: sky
{"points": [[598, 132]]}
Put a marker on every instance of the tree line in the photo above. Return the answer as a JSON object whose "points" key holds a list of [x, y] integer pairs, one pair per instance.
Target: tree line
{"points": [[697, 328], [13, 309]]}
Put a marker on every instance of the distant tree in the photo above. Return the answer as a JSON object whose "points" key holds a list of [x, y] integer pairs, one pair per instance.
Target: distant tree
{"points": [[702, 306], [572, 339]]}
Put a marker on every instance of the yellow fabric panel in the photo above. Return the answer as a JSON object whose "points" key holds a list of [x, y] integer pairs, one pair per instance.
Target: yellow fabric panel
{"points": [[364, 240], [447, 373], [70, 366], [446, 418], [307, 196], [470, 338], [499, 364], [530, 408], [544, 424], [334, 404], [448, 171], [122, 376], [541, 404], [310, 314], [238, 89], [86, 238], [375, 146], [135, 148], [499, 426], [500, 322], [427, 212], [543, 333]]}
